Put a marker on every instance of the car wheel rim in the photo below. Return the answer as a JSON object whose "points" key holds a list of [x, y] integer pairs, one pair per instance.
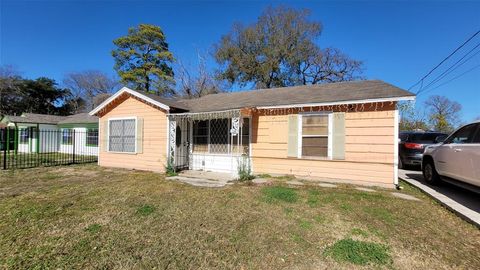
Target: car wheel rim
{"points": [[428, 172]]}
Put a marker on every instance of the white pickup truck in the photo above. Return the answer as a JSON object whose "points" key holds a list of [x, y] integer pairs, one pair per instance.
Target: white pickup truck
{"points": [[456, 159]]}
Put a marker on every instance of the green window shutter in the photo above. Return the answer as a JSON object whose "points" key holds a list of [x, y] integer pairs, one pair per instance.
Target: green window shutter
{"points": [[292, 136], [338, 136], [139, 136], [104, 136]]}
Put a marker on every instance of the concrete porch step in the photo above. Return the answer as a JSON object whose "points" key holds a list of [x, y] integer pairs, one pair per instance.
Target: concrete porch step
{"points": [[199, 182], [216, 176]]}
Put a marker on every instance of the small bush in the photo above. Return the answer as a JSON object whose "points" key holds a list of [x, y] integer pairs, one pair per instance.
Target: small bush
{"points": [[244, 170], [359, 252], [170, 169], [145, 210], [279, 193]]}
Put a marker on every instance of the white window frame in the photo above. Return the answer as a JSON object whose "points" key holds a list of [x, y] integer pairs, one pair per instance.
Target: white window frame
{"points": [[330, 134], [23, 131], [108, 134], [70, 132]]}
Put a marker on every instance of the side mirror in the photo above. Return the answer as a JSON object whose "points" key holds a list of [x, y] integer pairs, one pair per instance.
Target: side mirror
{"points": [[440, 138]]}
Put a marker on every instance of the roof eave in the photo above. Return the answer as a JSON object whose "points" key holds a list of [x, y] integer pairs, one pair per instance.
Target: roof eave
{"points": [[133, 93], [343, 102]]}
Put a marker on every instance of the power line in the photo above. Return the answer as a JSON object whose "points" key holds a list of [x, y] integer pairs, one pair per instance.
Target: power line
{"points": [[445, 59], [454, 78], [450, 69]]}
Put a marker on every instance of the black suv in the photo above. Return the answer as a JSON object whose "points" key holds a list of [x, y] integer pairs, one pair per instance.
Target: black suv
{"points": [[413, 143]]}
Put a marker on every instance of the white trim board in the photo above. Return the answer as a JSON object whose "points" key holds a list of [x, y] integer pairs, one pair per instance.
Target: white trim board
{"points": [[395, 146], [131, 92], [347, 102]]}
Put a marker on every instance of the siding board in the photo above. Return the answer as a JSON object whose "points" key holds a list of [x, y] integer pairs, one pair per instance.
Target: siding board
{"points": [[369, 149], [153, 157]]}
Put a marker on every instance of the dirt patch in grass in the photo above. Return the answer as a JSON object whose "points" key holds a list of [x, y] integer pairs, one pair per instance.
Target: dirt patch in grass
{"points": [[90, 217]]}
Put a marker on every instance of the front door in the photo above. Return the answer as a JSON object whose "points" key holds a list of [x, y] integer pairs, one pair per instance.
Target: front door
{"points": [[181, 145]]}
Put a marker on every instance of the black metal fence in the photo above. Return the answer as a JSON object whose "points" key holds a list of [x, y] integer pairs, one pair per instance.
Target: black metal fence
{"points": [[31, 147]]}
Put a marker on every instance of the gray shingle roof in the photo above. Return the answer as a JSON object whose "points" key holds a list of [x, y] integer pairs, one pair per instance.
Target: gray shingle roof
{"points": [[79, 118], [35, 118], [167, 101], [321, 93]]}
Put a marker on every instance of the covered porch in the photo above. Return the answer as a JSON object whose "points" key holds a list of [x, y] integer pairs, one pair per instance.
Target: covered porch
{"points": [[210, 141]]}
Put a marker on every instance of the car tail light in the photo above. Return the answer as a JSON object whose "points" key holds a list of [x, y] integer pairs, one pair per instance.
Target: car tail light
{"points": [[413, 146]]}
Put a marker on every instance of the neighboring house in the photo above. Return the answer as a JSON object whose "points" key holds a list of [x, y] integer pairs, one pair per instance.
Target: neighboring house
{"points": [[79, 129], [41, 133], [344, 131]]}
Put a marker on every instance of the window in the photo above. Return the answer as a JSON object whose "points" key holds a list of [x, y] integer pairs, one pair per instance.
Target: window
{"points": [[315, 135], [200, 136], [476, 139], [219, 136], [463, 135], [24, 135], [122, 135], [67, 136], [92, 137], [214, 136]]}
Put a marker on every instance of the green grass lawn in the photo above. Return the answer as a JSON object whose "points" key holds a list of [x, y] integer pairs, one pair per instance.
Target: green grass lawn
{"points": [[84, 216]]}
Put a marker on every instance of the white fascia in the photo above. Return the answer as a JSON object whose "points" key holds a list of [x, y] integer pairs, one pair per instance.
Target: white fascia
{"points": [[131, 92], [338, 103]]}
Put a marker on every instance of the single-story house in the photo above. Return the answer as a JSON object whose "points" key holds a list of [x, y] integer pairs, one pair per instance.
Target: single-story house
{"points": [[345, 131], [42, 133]]}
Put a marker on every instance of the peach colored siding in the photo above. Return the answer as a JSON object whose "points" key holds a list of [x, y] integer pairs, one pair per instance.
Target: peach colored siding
{"points": [[369, 147], [153, 157]]}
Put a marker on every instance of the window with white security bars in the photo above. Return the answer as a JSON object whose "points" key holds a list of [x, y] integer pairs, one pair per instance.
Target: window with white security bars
{"points": [[121, 135], [214, 136]]}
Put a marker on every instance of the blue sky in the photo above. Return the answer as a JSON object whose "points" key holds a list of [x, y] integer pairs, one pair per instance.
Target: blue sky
{"points": [[398, 41]]}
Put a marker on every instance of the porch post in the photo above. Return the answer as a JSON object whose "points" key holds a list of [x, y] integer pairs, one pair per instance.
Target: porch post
{"points": [[235, 131], [172, 129]]}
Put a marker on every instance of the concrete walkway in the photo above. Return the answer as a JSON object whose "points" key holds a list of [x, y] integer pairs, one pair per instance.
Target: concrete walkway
{"points": [[464, 203], [203, 179]]}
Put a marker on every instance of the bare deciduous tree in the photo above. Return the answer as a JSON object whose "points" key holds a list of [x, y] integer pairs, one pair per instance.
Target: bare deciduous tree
{"points": [[444, 114], [9, 80], [279, 50], [327, 65], [86, 85], [410, 118], [204, 83]]}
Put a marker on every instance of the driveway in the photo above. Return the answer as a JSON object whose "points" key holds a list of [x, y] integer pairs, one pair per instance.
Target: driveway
{"points": [[464, 202]]}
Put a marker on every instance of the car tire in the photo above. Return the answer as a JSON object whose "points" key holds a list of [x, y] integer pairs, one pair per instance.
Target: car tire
{"points": [[430, 173], [400, 163]]}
